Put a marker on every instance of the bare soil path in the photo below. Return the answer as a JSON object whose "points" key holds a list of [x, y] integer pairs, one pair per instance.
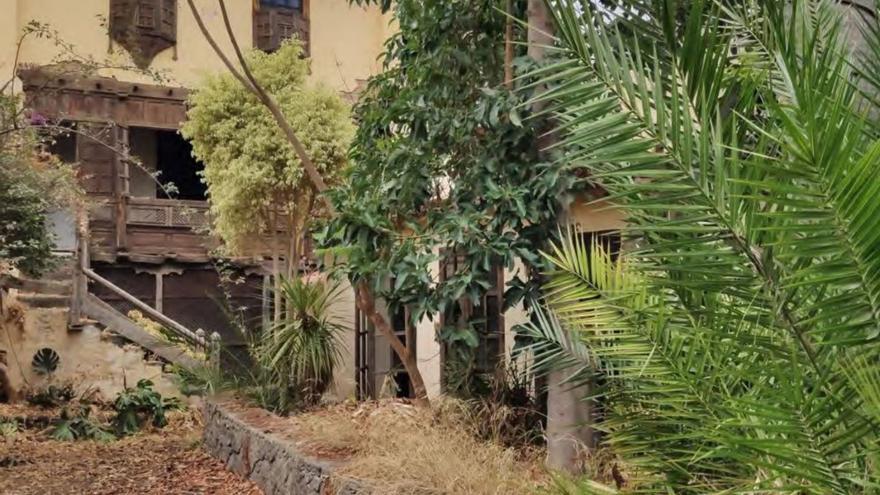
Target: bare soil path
{"points": [[166, 461]]}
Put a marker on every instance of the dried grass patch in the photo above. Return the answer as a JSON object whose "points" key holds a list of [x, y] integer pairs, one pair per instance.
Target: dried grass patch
{"points": [[409, 450]]}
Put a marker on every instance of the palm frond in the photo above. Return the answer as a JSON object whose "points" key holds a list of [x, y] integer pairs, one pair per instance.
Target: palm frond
{"points": [[730, 133]]}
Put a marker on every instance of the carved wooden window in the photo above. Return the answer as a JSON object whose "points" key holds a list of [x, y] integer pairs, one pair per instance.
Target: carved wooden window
{"points": [[144, 27], [279, 20]]}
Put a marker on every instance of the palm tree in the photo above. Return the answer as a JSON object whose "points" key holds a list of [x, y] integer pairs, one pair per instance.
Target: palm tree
{"points": [[737, 337]]}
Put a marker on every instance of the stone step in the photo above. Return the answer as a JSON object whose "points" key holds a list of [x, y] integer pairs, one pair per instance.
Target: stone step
{"points": [[63, 272], [44, 300], [42, 286]]}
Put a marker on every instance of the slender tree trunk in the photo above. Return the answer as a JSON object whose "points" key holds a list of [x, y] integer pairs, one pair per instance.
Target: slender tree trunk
{"points": [[569, 416], [508, 46], [276, 271], [368, 305]]}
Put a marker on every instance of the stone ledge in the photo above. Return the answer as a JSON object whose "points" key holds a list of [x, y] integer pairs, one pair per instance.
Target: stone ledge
{"points": [[247, 440]]}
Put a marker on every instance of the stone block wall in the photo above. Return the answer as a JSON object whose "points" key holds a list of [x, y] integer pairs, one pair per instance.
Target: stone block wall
{"points": [[247, 441]]}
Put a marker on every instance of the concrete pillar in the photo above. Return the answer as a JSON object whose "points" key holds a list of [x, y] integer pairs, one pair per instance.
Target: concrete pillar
{"points": [[569, 420]]}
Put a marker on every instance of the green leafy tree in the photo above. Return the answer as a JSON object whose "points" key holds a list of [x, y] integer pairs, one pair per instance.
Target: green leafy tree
{"points": [[444, 162], [255, 180], [737, 340], [32, 182]]}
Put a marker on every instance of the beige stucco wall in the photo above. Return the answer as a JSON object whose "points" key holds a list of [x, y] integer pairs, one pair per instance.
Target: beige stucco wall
{"points": [[346, 41], [342, 312], [88, 358], [428, 348]]}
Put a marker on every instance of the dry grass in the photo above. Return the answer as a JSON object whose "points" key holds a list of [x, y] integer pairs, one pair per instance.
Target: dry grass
{"points": [[408, 450]]}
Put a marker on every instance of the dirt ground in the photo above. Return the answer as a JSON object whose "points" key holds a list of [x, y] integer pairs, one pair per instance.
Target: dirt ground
{"points": [[166, 461]]}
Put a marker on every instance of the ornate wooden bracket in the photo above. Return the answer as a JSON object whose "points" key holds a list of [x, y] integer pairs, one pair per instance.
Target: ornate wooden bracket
{"points": [[144, 27]]}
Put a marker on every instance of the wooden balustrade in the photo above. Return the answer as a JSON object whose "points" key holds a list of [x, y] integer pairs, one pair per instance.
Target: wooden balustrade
{"points": [[167, 213]]}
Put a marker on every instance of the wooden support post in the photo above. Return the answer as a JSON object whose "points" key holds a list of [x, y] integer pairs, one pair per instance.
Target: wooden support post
{"points": [[80, 287], [215, 351], [206, 349], [160, 291]]}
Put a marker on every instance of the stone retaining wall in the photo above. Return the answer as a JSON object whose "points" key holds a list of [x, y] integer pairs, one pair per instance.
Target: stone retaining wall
{"points": [[247, 441]]}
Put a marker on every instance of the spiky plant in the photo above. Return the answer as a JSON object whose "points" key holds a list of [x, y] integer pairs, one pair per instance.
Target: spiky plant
{"points": [[299, 355], [738, 336]]}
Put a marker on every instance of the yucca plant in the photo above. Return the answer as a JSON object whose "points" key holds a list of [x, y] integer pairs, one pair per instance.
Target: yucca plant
{"points": [[737, 336], [297, 356]]}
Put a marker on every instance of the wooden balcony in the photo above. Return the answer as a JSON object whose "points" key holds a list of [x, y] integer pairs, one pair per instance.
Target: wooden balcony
{"points": [[168, 213], [151, 230]]}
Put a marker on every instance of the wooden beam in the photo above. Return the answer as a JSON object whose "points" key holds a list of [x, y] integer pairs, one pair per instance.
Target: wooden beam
{"points": [[160, 291]]}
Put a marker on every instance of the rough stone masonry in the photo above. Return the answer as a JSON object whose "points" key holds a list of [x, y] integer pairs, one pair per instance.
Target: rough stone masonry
{"points": [[243, 439]]}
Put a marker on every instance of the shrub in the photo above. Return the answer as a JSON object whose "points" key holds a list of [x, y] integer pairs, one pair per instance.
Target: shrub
{"points": [[51, 395], [296, 359]]}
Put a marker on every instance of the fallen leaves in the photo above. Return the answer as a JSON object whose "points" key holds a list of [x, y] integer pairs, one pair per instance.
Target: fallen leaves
{"points": [[163, 461]]}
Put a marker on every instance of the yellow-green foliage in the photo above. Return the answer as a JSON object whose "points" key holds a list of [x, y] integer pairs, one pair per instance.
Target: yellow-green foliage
{"points": [[250, 168]]}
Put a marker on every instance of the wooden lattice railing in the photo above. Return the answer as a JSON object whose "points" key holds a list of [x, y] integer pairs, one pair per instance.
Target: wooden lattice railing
{"points": [[167, 213]]}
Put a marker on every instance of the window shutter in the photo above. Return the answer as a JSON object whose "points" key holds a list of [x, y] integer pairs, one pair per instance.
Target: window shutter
{"points": [[273, 24]]}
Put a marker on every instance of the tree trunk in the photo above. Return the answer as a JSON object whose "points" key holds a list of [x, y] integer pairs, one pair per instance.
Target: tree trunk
{"points": [[569, 416], [367, 304], [508, 45], [276, 271]]}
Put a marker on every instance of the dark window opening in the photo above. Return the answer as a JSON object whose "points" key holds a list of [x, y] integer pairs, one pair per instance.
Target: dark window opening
{"points": [[404, 331], [484, 316], [62, 143], [166, 158], [609, 240], [365, 355], [289, 4]]}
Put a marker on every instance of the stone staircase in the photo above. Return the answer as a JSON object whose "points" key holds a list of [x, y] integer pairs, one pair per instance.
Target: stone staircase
{"points": [[54, 290]]}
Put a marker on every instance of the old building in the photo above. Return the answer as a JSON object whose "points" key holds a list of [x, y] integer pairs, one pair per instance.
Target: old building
{"points": [[152, 245], [154, 248]]}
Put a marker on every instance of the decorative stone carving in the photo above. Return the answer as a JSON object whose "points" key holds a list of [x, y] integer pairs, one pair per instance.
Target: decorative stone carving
{"points": [[144, 27]]}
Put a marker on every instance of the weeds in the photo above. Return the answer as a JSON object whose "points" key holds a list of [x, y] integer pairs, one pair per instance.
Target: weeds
{"points": [[135, 406], [79, 426], [132, 408], [9, 429], [201, 381], [51, 396], [506, 412], [409, 450]]}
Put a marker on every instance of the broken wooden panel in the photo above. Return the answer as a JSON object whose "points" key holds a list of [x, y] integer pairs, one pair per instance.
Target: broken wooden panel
{"points": [[95, 153]]}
